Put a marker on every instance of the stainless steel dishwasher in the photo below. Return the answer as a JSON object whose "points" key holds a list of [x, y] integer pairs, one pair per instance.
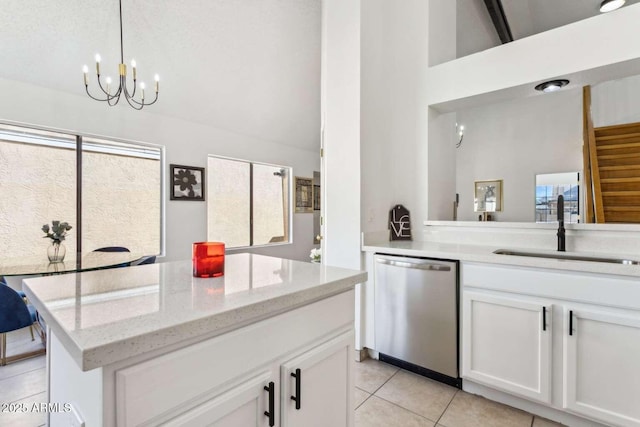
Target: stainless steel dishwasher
{"points": [[416, 315]]}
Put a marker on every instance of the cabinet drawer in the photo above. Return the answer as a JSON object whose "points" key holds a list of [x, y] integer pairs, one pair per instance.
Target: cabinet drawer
{"points": [[155, 390], [600, 289]]}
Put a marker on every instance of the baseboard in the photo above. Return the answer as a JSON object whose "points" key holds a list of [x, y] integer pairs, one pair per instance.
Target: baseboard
{"points": [[362, 354]]}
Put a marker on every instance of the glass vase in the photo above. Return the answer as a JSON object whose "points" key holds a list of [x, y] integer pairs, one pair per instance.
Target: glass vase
{"points": [[56, 252]]}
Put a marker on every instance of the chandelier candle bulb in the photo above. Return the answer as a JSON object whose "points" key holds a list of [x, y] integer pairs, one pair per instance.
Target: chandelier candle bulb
{"points": [[157, 78], [85, 70], [142, 86], [133, 67], [98, 63]]}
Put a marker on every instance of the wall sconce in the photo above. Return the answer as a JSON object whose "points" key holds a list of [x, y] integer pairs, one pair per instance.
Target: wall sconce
{"points": [[460, 131]]}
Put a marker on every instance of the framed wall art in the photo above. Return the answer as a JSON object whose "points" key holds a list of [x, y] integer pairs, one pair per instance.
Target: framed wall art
{"points": [[304, 194], [187, 183], [488, 196]]}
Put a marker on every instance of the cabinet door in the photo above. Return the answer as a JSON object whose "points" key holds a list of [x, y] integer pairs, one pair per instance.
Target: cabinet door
{"points": [[242, 405], [322, 386], [601, 365], [506, 344]]}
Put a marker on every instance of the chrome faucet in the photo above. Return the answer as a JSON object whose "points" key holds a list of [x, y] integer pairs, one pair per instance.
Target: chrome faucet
{"points": [[560, 234]]}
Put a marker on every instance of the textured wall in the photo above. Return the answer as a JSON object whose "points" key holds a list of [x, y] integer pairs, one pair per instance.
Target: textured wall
{"points": [[121, 205], [121, 202], [37, 185]]}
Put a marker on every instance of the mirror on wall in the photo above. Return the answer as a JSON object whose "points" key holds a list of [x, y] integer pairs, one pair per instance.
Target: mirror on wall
{"points": [[551, 185], [519, 140]]}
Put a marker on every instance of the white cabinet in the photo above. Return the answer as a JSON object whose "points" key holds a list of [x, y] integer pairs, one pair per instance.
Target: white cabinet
{"points": [[308, 384], [234, 378], [316, 380], [507, 344], [246, 404], [602, 365], [584, 360]]}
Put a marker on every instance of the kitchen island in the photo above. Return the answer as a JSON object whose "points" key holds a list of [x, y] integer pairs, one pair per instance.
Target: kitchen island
{"points": [[269, 343]]}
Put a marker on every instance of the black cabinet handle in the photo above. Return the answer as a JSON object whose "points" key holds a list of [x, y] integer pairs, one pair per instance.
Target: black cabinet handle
{"points": [[272, 404], [570, 322], [544, 318], [297, 397]]}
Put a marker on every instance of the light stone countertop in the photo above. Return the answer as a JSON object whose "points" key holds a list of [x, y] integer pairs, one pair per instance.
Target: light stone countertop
{"points": [[107, 316], [484, 254]]}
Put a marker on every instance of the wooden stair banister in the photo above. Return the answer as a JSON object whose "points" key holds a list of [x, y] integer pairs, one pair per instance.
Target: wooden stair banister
{"points": [[586, 157]]}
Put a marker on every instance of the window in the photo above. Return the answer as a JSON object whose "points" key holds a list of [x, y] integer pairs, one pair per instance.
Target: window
{"points": [[119, 196], [549, 187], [248, 203]]}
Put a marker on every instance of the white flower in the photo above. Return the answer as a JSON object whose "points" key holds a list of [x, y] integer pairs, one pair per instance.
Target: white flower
{"points": [[315, 254]]}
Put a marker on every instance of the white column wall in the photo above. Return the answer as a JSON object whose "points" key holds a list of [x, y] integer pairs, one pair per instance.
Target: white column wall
{"points": [[393, 121], [341, 124]]}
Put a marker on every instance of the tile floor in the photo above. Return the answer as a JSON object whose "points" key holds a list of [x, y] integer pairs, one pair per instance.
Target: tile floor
{"points": [[387, 396], [23, 382]]}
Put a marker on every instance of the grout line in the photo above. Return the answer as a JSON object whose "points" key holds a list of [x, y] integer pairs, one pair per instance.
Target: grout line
{"points": [[405, 409], [393, 375], [533, 418], [448, 404], [364, 399], [31, 395], [23, 373]]}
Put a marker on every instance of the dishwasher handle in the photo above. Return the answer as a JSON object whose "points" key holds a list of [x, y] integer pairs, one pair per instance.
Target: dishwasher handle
{"points": [[416, 265]]}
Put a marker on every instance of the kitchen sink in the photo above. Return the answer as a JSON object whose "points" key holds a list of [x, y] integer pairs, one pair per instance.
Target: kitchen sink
{"points": [[562, 255]]}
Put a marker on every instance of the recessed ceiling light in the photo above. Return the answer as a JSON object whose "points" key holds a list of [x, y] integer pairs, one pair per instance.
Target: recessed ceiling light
{"points": [[609, 5], [552, 86]]}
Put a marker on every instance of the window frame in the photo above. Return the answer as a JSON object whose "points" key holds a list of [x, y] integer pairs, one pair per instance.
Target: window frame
{"points": [[79, 136], [289, 170]]}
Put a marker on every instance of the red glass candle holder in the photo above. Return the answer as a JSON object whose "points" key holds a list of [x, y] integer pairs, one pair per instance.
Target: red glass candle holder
{"points": [[208, 259]]}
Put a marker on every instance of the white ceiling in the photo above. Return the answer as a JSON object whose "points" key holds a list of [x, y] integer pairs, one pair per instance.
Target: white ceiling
{"points": [[247, 66], [528, 17], [475, 31]]}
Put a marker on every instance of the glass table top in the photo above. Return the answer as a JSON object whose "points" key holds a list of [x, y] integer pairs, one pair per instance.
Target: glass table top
{"points": [[72, 263]]}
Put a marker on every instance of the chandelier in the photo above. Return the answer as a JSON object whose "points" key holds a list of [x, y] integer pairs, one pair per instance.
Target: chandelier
{"points": [[112, 97]]}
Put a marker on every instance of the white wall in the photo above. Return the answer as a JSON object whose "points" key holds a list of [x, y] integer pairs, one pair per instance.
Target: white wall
{"points": [[186, 144], [442, 34], [436, 154], [569, 50], [475, 31], [616, 102], [393, 113], [341, 121], [441, 166]]}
